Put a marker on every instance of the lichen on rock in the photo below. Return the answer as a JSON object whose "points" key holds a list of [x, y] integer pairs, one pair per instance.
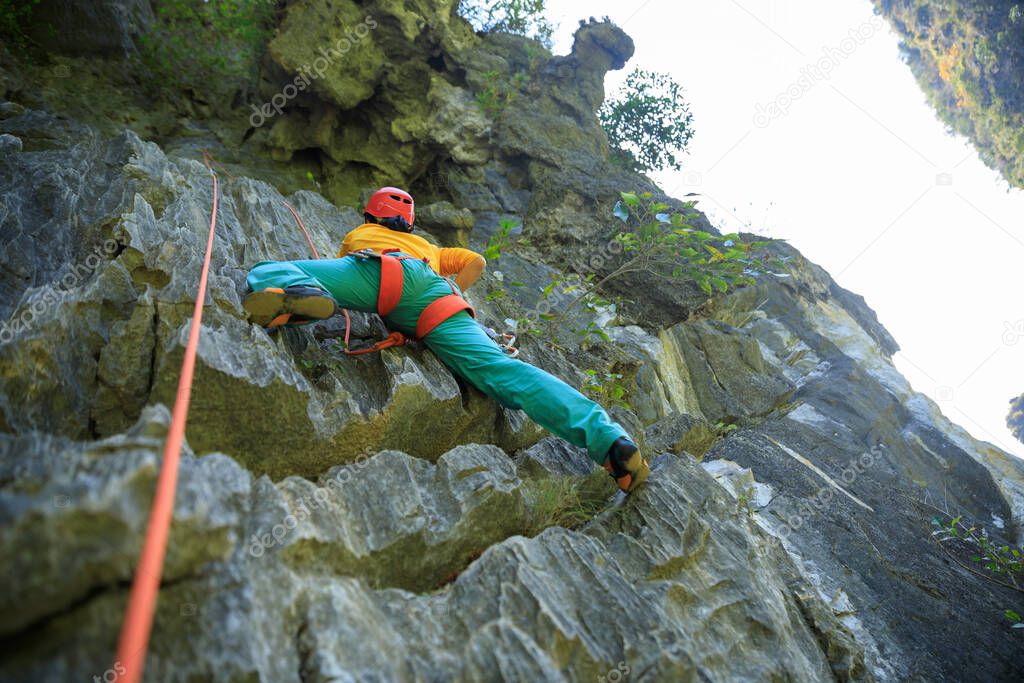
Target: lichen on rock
{"points": [[375, 518]]}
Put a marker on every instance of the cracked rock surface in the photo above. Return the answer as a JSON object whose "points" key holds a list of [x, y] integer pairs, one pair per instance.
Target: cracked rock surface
{"points": [[374, 518]]}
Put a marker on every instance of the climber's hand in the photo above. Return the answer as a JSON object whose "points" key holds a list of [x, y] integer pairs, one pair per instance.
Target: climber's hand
{"points": [[626, 466]]}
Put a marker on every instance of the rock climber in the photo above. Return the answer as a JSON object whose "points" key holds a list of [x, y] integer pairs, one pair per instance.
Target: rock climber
{"points": [[299, 292]]}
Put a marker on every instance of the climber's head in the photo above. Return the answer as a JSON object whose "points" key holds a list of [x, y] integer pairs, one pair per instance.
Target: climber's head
{"points": [[391, 207]]}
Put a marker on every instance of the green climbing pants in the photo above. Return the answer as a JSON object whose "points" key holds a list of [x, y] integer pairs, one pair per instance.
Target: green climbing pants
{"points": [[459, 342]]}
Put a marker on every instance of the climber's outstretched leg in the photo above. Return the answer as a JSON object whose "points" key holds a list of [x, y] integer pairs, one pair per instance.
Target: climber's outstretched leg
{"points": [[465, 348], [297, 292], [295, 305]]}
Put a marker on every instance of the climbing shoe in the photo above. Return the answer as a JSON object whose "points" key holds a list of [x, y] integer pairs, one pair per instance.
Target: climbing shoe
{"points": [[627, 467], [295, 305]]}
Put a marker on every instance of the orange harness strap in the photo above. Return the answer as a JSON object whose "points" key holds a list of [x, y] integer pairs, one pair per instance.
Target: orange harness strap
{"points": [[390, 294], [391, 281], [440, 310]]}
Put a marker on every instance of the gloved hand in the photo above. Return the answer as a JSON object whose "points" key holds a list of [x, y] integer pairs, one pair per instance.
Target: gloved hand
{"points": [[626, 466]]}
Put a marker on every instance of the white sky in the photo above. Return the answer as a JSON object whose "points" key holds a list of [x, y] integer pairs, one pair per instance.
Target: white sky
{"points": [[858, 173]]}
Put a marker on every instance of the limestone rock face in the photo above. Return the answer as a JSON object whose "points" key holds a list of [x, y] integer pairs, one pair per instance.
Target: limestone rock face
{"points": [[113, 281], [280, 581], [105, 27], [374, 518]]}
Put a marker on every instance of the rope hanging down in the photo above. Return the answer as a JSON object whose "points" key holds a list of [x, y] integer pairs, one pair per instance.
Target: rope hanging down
{"points": [[302, 227], [138, 617]]}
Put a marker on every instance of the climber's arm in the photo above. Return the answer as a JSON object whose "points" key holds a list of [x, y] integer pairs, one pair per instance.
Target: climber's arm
{"points": [[471, 272], [346, 245], [465, 265]]}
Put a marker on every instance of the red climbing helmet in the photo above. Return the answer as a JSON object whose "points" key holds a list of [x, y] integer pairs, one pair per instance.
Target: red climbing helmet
{"points": [[391, 201]]}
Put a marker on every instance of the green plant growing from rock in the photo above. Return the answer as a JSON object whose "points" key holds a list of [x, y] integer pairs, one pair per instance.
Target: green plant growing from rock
{"points": [[567, 502], [501, 239], [520, 17], [1000, 561], [606, 388], [648, 123], [744, 501], [662, 243], [193, 44], [499, 242], [496, 96]]}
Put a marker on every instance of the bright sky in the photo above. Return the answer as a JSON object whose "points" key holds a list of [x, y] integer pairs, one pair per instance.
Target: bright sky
{"points": [[854, 168]]}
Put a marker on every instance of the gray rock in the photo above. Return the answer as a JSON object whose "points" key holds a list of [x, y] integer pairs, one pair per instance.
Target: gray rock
{"points": [[10, 144], [444, 218], [107, 27], [91, 500], [396, 551], [116, 279], [858, 466], [681, 433], [351, 524], [553, 456]]}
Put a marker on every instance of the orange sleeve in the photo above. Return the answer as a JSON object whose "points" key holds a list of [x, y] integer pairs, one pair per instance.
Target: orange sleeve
{"points": [[346, 244], [454, 259]]}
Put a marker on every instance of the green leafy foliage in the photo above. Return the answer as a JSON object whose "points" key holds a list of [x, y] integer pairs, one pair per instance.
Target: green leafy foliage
{"points": [[501, 239], [565, 501], [15, 16], [744, 501], [521, 17], [606, 388], [662, 242], [196, 44], [657, 241], [648, 123], [1015, 418], [968, 57], [497, 92], [494, 97], [1001, 560], [1003, 563]]}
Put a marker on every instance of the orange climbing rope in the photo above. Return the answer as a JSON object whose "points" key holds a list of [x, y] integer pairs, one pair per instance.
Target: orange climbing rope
{"points": [[138, 616], [209, 159], [303, 228]]}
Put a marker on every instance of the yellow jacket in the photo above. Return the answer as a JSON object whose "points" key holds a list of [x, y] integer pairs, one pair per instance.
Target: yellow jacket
{"points": [[444, 260]]}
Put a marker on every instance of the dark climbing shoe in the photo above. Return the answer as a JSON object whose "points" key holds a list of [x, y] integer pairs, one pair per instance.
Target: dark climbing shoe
{"points": [[273, 307], [627, 467]]}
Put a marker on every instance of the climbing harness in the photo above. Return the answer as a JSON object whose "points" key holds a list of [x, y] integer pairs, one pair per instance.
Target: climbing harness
{"points": [[138, 616], [390, 294]]}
